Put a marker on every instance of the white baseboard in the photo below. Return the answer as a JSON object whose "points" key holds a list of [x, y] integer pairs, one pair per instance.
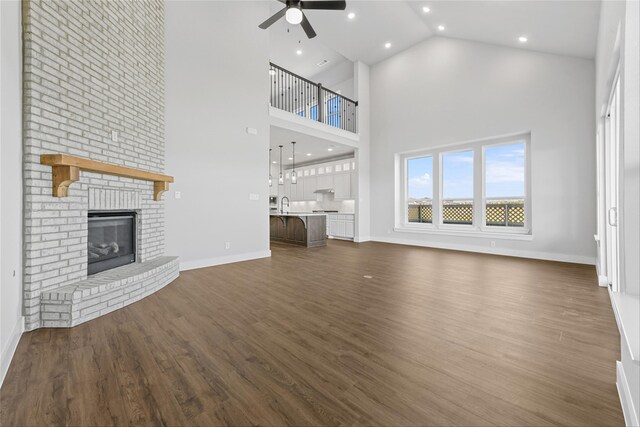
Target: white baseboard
{"points": [[362, 239], [626, 400], [210, 262], [548, 256], [9, 350], [603, 281]]}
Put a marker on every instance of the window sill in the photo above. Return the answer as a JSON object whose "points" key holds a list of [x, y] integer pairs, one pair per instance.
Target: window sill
{"points": [[467, 232]]}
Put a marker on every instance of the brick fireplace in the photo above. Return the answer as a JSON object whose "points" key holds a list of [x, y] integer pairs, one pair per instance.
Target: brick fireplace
{"points": [[93, 88]]}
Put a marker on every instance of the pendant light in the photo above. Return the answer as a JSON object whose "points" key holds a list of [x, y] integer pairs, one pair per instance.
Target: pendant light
{"points": [[281, 177], [270, 177], [294, 175]]}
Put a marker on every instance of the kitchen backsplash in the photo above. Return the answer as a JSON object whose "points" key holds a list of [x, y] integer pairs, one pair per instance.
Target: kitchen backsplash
{"points": [[342, 206]]}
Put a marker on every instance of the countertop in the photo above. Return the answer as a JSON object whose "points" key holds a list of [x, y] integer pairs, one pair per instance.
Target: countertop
{"points": [[297, 214]]}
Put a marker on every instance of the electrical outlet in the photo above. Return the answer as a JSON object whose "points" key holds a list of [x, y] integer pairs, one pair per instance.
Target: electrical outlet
{"points": [[114, 135], [178, 195], [252, 131], [493, 243], [254, 196], [227, 245]]}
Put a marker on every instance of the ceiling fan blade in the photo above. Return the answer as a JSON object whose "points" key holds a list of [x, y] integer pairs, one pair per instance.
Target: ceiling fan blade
{"points": [[306, 26], [269, 22], [325, 5]]}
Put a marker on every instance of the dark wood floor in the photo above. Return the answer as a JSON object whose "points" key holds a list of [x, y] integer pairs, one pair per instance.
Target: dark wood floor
{"points": [[433, 338]]}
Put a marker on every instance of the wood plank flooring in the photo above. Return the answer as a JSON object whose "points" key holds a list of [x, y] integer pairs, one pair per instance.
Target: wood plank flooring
{"points": [[433, 338]]}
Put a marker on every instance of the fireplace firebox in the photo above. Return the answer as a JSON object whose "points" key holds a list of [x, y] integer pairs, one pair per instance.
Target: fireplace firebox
{"points": [[112, 240]]}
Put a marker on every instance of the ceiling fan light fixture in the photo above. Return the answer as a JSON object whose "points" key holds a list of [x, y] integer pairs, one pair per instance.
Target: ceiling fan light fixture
{"points": [[294, 16]]}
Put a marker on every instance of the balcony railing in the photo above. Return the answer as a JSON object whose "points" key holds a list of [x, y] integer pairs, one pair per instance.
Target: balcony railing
{"points": [[505, 213], [297, 95]]}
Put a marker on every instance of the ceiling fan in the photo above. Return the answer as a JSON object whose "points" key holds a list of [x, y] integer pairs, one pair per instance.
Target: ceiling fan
{"points": [[293, 12]]}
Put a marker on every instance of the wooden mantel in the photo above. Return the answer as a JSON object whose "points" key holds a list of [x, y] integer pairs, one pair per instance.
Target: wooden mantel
{"points": [[66, 171]]}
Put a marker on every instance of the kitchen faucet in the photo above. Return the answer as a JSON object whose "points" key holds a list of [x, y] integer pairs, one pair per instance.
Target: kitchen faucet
{"points": [[282, 204]]}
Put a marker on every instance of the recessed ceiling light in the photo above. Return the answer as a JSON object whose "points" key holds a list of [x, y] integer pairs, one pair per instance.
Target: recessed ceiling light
{"points": [[522, 39], [351, 15], [298, 52], [329, 149], [426, 9], [387, 45], [290, 158], [440, 27], [308, 154], [274, 162]]}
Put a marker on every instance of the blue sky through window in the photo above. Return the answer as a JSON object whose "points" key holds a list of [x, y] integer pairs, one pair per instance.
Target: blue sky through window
{"points": [[420, 177], [504, 166], [457, 175]]}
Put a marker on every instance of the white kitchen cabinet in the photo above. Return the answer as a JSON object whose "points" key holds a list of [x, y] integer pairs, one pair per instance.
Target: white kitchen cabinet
{"points": [[310, 185], [297, 190], [338, 175], [342, 185], [349, 229], [341, 226], [337, 228], [354, 185], [325, 181]]}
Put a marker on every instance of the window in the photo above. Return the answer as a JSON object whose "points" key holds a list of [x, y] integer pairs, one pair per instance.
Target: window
{"points": [[310, 111], [420, 189], [313, 112], [504, 182], [457, 187], [333, 111], [479, 187]]}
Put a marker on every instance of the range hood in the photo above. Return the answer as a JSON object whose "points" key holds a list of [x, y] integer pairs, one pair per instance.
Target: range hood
{"points": [[324, 191]]}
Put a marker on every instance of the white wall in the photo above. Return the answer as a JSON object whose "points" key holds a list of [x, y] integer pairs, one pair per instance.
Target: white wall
{"points": [[11, 323], [338, 77], [619, 43], [217, 85], [445, 91]]}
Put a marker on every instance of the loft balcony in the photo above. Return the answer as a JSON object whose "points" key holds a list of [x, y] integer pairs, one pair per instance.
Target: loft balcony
{"points": [[304, 98]]}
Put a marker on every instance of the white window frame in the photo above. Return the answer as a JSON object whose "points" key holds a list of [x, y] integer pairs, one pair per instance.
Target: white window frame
{"points": [[440, 217], [405, 193], [525, 229], [478, 228]]}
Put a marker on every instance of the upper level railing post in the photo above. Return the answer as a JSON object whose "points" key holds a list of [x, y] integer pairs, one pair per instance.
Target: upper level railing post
{"points": [[320, 104]]}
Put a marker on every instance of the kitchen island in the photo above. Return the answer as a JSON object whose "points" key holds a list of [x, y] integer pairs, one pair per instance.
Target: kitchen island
{"points": [[299, 228]]}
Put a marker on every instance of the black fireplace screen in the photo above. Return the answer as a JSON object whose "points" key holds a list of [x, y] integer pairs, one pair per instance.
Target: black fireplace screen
{"points": [[112, 240]]}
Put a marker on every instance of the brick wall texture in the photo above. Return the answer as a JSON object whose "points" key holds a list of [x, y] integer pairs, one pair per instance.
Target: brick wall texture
{"points": [[90, 68]]}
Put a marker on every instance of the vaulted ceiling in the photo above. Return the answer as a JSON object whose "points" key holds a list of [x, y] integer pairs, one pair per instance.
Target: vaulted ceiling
{"points": [[564, 27]]}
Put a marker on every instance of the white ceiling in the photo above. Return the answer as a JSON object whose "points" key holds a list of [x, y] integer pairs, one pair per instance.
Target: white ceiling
{"points": [[318, 147], [566, 27]]}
